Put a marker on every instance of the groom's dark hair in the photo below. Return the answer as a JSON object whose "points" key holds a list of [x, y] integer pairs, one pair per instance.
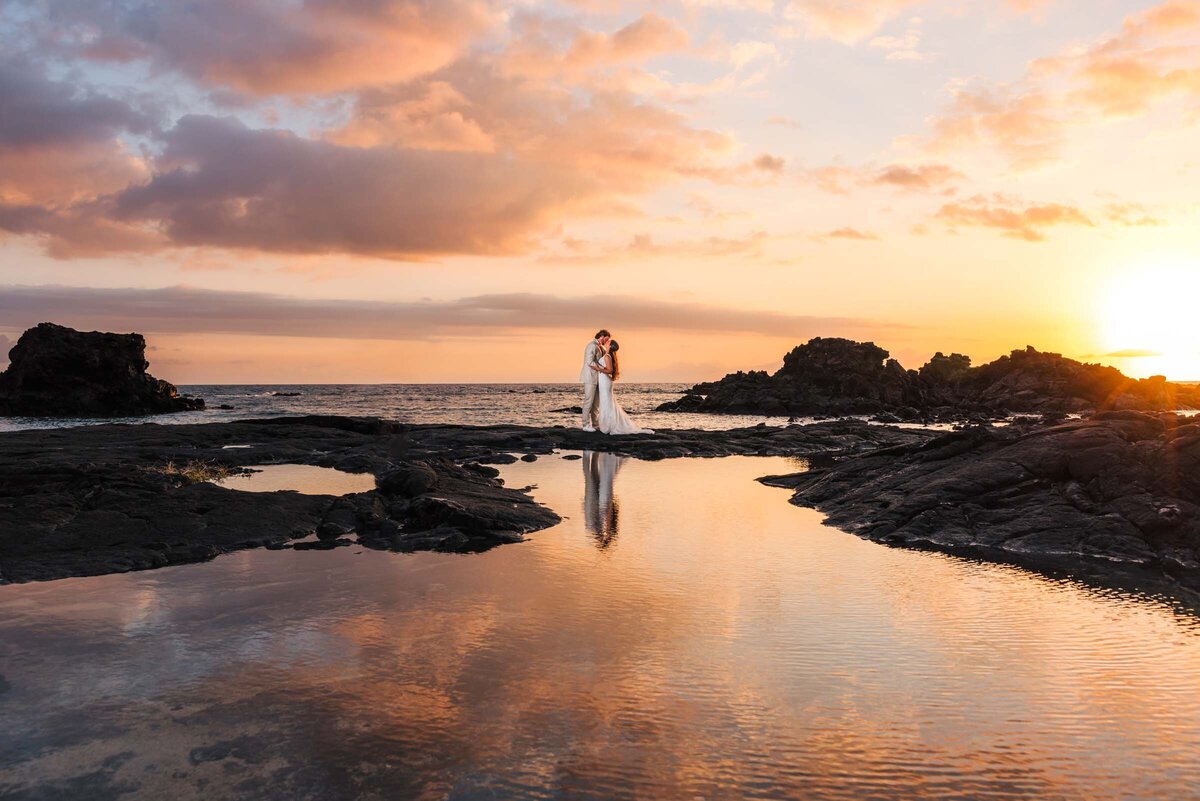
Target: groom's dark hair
{"points": [[603, 332]]}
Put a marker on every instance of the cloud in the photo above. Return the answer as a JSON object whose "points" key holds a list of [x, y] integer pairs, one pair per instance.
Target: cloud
{"points": [[1027, 222], [59, 143], [1025, 126], [839, 179], [1132, 353], [1154, 57], [220, 183], [184, 310], [919, 177], [784, 122], [1132, 214], [467, 161], [558, 50], [845, 21], [261, 47], [768, 163], [851, 233], [643, 247], [906, 47]]}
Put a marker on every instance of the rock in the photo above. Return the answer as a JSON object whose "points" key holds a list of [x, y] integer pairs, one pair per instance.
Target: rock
{"points": [[322, 544], [571, 457], [568, 410], [839, 376], [498, 458], [1118, 487], [529, 457], [225, 407], [408, 480], [59, 372]]}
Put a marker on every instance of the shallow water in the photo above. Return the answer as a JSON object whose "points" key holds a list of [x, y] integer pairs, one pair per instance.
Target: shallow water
{"points": [[685, 634], [303, 478]]}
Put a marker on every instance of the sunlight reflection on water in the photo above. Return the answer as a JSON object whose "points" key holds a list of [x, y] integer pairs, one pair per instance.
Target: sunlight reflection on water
{"points": [[685, 633]]}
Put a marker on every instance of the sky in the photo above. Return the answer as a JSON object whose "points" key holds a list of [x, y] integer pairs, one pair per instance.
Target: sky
{"points": [[300, 191]]}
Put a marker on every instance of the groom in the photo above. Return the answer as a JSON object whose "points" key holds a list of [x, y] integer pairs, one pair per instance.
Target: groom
{"points": [[589, 377]]}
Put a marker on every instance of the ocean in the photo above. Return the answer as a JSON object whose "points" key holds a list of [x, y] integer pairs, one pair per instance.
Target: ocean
{"points": [[465, 404]]}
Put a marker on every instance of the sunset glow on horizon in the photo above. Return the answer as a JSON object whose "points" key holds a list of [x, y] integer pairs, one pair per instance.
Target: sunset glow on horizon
{"points": [[308, 191]]}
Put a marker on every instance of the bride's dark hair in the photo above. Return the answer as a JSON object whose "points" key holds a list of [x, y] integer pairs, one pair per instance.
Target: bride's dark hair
{"points": [[613, 347]]}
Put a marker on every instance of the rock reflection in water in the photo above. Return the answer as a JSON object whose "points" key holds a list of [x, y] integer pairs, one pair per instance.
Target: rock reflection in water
{"points": [[601, 509]]}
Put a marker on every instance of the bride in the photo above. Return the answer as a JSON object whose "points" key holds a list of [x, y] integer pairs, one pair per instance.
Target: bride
{"points": [[613, 419]]}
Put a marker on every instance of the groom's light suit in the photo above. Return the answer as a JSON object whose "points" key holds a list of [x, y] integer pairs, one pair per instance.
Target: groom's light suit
{"points": [[589, 378]]}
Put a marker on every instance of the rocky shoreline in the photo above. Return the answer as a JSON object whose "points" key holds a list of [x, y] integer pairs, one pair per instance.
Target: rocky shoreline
{"points": [[1117, 490], [1114, 492], [830, 376], [113, 498]]}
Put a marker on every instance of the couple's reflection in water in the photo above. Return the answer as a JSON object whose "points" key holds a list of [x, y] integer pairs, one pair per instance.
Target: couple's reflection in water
{"points": [[601, 511]]}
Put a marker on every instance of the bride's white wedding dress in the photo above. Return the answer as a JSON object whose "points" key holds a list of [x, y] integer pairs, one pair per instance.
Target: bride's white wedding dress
{"points": [[613, 419]]}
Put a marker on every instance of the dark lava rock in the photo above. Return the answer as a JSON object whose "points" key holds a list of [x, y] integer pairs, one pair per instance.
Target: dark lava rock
{"points": [[322, 544], [410, 480], [1123, 487], [529, 457], [839, 376], [59, 372], [498, 458], [568, 410], [572, 457]]}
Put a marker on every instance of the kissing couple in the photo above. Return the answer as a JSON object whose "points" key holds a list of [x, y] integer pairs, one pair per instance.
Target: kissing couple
{"points": [[601, 369]]}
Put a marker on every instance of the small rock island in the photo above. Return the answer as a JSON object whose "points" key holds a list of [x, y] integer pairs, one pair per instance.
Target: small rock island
{"points": [[55, 371]]}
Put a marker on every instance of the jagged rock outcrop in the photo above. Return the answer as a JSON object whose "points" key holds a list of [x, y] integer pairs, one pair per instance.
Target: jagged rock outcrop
{"points": [[839, 376], [1119, 486], [56, 371]]}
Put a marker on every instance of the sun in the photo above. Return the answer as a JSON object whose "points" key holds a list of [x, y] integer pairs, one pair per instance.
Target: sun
{"points": [[1148, 323]]}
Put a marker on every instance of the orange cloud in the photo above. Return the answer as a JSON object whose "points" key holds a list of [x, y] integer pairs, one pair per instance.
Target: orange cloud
{"points": [[1025, 127], [555, 50], [1132, 214], [851, 233], [643, 246], [1154, 56], [1020, 222], [839, 180]]}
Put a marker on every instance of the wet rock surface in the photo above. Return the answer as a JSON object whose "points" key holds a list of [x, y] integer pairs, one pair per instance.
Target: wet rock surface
{"points": [[114, 498], [1118, 487], [830, 376], [60, 372]]}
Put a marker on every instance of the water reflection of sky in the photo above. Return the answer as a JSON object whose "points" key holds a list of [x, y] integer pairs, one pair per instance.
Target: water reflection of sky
{"points": [[718, 643]]}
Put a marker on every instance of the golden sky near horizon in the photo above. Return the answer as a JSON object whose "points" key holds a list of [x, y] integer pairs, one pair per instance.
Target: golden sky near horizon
{"points": [[392, 190]]}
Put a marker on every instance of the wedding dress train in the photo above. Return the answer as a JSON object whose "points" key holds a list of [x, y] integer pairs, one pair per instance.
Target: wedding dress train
{"points": [[613, 419]]}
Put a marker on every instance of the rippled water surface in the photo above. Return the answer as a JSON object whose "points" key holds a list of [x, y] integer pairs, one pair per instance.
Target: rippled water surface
{"points": [[685, 634]]}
